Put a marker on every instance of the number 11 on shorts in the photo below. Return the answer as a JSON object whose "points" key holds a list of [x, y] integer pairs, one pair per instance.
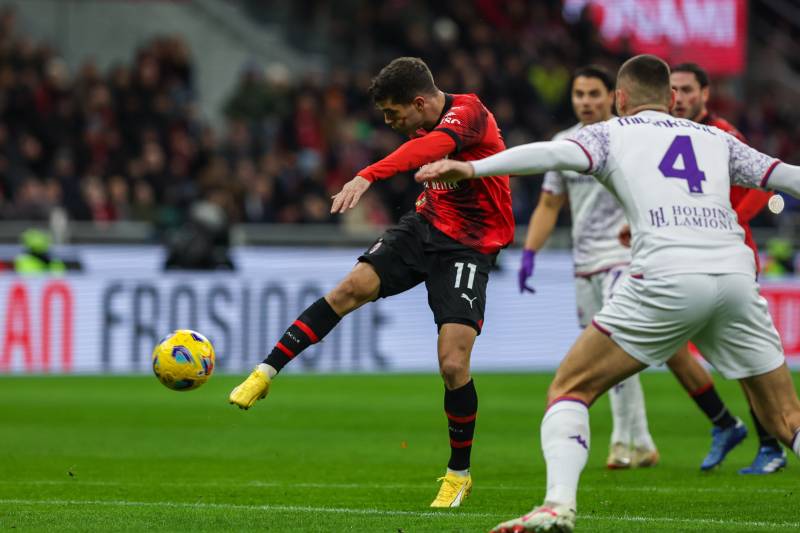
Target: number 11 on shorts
{"points": [[460, 269]]}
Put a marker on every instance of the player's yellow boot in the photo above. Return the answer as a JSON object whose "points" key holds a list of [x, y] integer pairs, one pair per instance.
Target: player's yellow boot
{"points": [[454, 490], [254, 388]]}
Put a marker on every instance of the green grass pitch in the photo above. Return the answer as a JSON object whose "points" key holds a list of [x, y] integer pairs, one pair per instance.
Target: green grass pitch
{"points": [[347, 453]]}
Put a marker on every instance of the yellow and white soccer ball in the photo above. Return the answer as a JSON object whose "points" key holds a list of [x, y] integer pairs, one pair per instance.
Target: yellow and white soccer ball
{"points": [[183, 360]]}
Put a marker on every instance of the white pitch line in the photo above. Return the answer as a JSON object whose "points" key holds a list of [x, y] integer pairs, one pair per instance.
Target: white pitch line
{"points": [[386, 512], [390, 486]]}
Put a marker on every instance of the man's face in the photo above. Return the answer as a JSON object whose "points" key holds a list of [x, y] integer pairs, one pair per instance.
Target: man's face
{"points": [[690, 99], [591, 100], [403, 118]]}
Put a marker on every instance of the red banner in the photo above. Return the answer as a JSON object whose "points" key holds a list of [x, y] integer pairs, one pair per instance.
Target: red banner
{"points": [[712, 33], [784, 306]]}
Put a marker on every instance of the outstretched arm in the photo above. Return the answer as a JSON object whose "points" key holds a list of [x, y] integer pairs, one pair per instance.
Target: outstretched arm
{"points": [[411, 154], [785, 178], [533, 158]]}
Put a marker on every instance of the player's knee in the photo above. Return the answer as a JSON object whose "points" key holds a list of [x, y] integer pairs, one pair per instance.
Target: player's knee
{"points": [[352, 292], [454, 369]]}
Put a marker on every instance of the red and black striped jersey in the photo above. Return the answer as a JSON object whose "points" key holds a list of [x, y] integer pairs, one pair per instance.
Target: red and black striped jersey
{"points": [[476, 213]]}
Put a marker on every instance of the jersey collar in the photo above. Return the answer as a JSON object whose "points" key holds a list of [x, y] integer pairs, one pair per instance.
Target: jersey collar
{"points": [[448, 103]]}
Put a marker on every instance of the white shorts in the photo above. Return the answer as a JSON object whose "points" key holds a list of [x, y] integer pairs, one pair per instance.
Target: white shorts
{"points": [[592, 292], [724, 315]]}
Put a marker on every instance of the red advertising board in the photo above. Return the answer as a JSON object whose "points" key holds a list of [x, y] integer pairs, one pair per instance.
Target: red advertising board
{"points": [[784, 306], [712, 33]]}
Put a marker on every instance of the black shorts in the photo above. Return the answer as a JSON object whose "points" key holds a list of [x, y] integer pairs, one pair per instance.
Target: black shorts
{"points": [[455, 275]]}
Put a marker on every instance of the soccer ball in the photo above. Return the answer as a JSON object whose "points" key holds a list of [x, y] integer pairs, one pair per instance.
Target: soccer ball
{"points": [[183, 360]]}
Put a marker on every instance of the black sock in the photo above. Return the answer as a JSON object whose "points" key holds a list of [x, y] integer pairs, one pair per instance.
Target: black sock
{"points": [[461, 407], [310, 327], [764, 438], [711, 404]]}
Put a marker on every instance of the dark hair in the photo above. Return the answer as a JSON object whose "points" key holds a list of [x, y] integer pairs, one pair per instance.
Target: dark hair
{"points": [[647, 77], [401, 81], [594, 71], [697, 70]]}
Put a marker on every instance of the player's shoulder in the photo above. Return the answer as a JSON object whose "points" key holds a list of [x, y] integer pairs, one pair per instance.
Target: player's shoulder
{"points": [[723, 125], [466, 99], [465, 104], [569, 132]]}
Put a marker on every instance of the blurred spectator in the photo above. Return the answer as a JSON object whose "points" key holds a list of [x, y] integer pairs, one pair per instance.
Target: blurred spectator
{"points": [[126, 144], [35, 257], [202, 243], [780, 258]]}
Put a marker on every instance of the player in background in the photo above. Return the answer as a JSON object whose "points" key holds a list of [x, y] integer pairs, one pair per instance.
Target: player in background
{"points": [[450, 242], [600, 261], [691, 272], [691, 85]]}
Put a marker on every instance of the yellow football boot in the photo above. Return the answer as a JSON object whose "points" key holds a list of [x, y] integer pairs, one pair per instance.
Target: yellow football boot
{"points": [[254, 388], [453, 491]]}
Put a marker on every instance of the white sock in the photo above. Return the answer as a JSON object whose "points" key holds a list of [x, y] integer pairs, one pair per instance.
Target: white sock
{"points": [[462, 473], [565, 445], [640, 431], [796, 443], [269, 370], [621, 413]]}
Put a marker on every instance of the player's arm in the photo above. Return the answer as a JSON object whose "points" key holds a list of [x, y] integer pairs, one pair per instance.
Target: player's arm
{"points": [[543, 219], [751, 168], [533, 158], [540, 227], [411, 154], [784, 178], [751, 204]]}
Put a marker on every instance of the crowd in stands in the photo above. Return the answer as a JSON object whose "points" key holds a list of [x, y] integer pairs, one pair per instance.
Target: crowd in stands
{"points": [[129, 144]]}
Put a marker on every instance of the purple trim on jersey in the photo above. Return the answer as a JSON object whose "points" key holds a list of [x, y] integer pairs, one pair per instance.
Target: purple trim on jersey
{"points": [[600, 271], [585, 151], [600, 328], [551, 191], [566, 399], [637, 276], [768, 173]]}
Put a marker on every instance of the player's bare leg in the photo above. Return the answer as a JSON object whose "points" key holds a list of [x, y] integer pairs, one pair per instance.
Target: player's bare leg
{"points": [[360, 286], [728, 430], [770, 457], [461, 405], [593, 365], [774, 400]]}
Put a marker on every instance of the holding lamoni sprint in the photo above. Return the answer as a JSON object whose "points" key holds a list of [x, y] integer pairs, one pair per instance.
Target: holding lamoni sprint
{"points": [[450, 243]]}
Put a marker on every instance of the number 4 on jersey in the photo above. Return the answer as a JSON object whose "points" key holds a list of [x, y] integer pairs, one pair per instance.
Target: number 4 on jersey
{"points": [[682, 148]]}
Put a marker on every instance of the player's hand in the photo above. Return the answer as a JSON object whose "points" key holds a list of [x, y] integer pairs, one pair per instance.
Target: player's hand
{"points": [[526, 270], [446, 169], [348, 197], [625, 236]]}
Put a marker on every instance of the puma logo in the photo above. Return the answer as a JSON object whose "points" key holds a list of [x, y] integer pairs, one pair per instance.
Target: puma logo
{"points": [[470, 300]]}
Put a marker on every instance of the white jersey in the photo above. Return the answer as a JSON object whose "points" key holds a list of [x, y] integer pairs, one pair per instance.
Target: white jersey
{"points": [[672, 177], [597, 217]]}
